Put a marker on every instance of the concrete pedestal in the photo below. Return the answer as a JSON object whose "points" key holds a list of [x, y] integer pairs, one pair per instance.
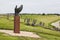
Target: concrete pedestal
{"points": [[16, 24]]}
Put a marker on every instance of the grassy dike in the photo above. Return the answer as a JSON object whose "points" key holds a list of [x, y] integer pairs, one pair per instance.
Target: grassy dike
{"points": [[46, 34]]}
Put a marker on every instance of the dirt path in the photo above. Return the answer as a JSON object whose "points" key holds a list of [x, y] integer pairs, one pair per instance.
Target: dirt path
{"points": [[56, 24], [22, 33]]}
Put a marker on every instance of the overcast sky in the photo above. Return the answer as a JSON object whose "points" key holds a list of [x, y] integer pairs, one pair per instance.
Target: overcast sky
{"points": [[30, 6]]}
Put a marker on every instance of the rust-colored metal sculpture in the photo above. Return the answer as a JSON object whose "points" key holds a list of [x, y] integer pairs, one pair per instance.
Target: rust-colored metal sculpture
{"points": [[17, 19]]}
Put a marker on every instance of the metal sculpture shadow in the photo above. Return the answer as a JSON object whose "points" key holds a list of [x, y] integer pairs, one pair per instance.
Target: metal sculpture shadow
{"points": [[18, 10]]}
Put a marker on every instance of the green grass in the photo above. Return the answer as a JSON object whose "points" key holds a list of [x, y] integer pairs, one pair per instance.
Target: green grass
{"points": [[46, 34]]}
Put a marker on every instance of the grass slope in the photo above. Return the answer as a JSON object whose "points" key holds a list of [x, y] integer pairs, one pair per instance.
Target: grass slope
{"points": [[46, 34]]}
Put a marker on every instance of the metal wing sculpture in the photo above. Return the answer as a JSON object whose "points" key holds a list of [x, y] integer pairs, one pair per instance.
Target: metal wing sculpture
{"points": [[17, 10]]}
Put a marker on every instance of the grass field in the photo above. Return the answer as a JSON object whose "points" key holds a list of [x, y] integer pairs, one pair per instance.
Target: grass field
{"points": [[46, 34]]}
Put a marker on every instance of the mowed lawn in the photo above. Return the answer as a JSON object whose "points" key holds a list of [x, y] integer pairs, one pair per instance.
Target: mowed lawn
{"points": [[45, 34]]}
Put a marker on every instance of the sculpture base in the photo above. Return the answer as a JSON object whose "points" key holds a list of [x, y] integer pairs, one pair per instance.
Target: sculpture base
{"points": [[16, 24]]}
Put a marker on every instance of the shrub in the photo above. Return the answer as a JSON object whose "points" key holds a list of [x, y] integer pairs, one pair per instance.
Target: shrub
{"points": [[43, 14]]}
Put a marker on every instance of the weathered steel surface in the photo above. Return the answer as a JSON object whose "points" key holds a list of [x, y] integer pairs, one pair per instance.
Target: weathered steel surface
{"points": [[18, 10], [17, 19], [16, 24]]}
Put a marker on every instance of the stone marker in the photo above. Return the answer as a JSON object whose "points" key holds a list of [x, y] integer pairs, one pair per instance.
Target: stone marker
{"points": [[17, 19]]}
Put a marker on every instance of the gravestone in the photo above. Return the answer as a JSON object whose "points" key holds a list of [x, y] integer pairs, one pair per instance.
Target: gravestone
{"points": [[34, 22], [28, 21], [41, 24], [17, 19]]}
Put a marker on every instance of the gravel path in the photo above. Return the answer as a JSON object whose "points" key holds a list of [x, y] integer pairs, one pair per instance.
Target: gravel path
{"points": [[56, 24], [22, 33]]}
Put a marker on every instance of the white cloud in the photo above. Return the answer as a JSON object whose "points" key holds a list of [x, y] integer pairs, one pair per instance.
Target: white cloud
{"points": [[31, 6], [47, 6]]}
